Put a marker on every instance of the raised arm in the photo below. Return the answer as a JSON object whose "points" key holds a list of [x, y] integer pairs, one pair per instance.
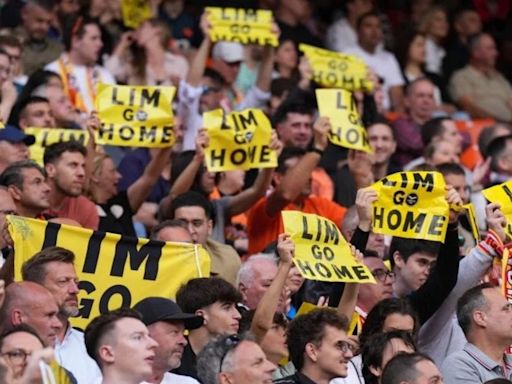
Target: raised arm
{"points": [[246, 199], [140, 190], [297, 177], [198, 63], [429, 297], [348, 300], [267, 306]]}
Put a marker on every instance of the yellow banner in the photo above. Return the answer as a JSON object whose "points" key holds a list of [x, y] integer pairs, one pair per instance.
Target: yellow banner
{"points": [[502, 195], [321, 252], [47, 136], [238, 140], [337, 70], [347, 129], [470, 213], [411, 205], [135, 116], [245, 26], [135, 12], [114, 270]]}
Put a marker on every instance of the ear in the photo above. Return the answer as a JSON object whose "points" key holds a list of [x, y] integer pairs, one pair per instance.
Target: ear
{"points": [[210, 227], [15, 192], [243, 291], [16, 317], [375, 370], [224, 378], [397, 258], [204, 314], [311, 352], [503, 164], [50, 170], [479, 319], [106, 353]]}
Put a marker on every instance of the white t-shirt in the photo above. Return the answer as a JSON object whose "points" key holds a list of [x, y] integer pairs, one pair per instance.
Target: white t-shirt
{"points": [[172, 378], [385, 65], [80, 79]]}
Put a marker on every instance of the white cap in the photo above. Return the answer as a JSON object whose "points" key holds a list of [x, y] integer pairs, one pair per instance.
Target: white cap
{"points": [[228, 51]]}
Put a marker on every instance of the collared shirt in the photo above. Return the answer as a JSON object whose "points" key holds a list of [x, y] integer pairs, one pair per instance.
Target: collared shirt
{"points": [[297, 378], [490, 91], [72, 355], [471, 365]]}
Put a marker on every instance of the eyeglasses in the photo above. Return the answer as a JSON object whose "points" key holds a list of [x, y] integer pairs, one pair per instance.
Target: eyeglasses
{"points": [[230, 343], [381, 275], [17, 356], [345, 346]]}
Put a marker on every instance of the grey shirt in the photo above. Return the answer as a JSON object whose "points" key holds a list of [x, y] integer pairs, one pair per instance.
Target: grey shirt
{"points": [[471, 365]]}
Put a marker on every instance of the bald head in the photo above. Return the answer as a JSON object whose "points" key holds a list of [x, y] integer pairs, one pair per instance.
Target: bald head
{"points": [[32, 304]]}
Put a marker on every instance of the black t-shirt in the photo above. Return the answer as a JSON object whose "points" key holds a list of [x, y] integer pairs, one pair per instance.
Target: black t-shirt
{"points": [[116, 215]]}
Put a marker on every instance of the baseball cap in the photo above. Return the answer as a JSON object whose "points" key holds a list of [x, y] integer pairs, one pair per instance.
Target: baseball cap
{"points": [[14, 135], [228, 51], [155, 309]]}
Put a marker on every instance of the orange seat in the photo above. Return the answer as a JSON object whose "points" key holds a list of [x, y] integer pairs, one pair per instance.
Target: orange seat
{"points": [[471, 157], [474, 127]]}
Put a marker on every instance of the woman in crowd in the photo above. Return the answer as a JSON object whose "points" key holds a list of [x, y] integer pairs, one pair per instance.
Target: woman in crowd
{"points": [[143, 57], [115, 209], [434, 25]]}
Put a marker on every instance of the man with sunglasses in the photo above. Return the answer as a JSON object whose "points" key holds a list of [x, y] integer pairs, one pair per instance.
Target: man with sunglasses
{"points": [[319, 347], [234, 360]]}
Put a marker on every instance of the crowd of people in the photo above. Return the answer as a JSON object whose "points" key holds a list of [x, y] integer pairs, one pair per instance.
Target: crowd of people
{"points": [[441, 101]]}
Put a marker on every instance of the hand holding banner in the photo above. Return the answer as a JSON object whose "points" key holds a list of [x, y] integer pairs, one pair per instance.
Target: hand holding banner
{"points": [[347, 129], [238, 140], [502, 195], [113, 270], [245, 26], [135, 12], [337, 70], [321, 252], [411, 205], [135, 116]]}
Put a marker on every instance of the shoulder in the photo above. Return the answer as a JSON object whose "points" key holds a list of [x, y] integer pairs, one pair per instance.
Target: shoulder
{"points": [[172, 378]]}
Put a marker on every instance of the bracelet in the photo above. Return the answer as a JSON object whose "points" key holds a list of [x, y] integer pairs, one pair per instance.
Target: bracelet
{"points": [[317, 150]]}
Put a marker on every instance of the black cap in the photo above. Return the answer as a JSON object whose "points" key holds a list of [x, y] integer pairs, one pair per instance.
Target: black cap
{"points": [[155, 309]]}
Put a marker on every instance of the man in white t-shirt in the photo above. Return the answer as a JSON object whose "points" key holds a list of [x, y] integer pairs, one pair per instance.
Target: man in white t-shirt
{"points": [[382, 62], [77, 66], [166, 323]]}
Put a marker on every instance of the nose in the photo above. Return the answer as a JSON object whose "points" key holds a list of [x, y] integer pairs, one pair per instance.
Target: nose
{"points": [[152, 344], [73, 287], [55, 323], [270, 367], [182, 340]]}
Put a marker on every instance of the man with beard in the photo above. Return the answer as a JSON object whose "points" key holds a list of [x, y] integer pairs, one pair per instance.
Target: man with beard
{"points": [[54, 269], [64, 163], [26, 182], [166, 323]]}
